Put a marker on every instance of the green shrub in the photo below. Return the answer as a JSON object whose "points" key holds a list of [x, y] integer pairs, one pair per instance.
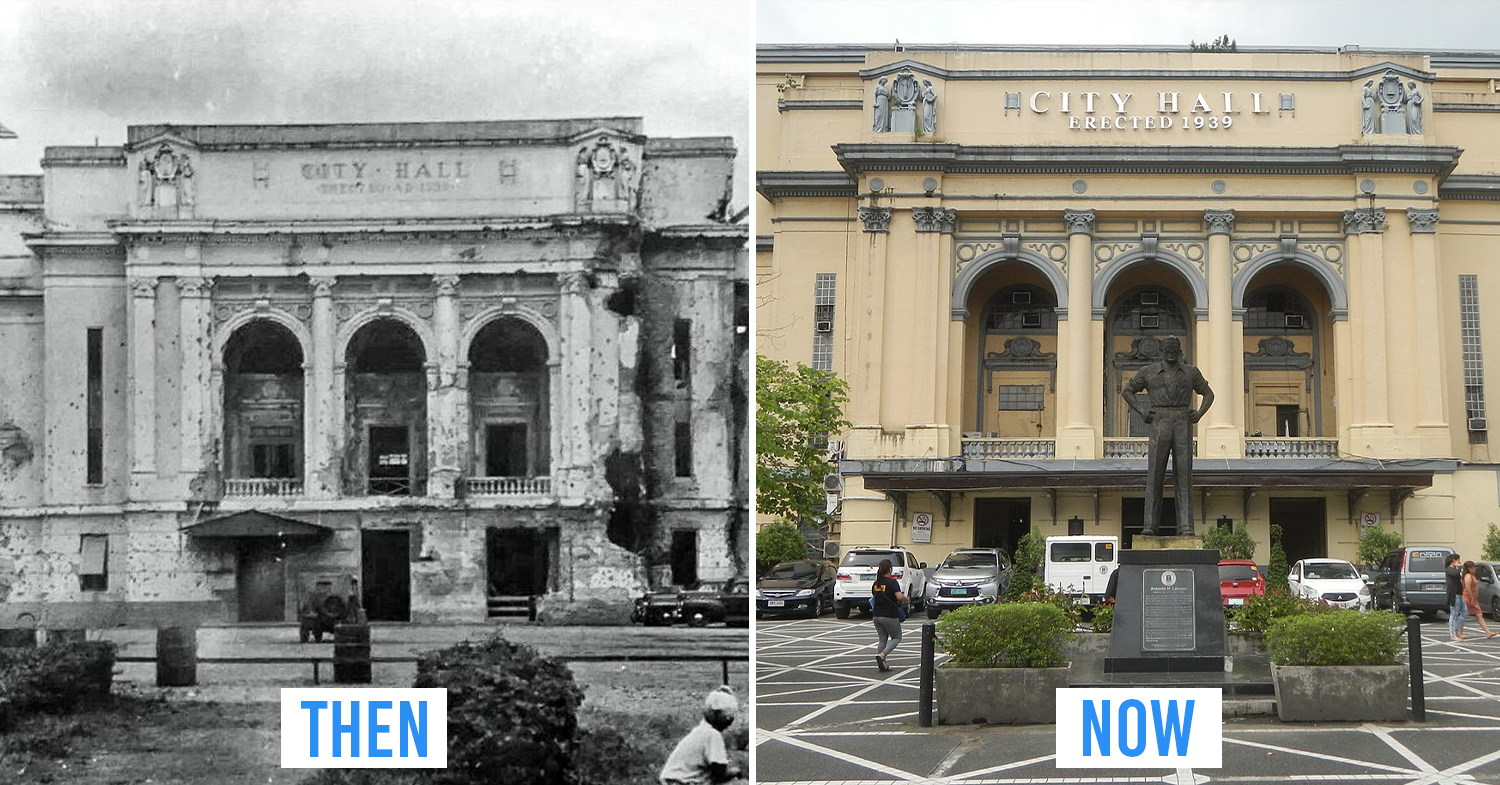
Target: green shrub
{"points": [[778, 542], [1260, 611], [1337, 638], [1026, 566], [1232, 543], [1278, 567], [1491, 543], [1104, 618], [57, 677], [1375, 542], [512, 713], [1005, 635], [1063, 601]]}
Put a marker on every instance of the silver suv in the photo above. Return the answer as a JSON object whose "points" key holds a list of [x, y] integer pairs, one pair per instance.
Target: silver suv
{"points": [[967, 576], [857, 573]]}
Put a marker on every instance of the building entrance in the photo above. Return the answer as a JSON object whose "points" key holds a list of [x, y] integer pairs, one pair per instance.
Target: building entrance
{"points": [[1001, 523], [260, 581], [1304, 527], [1133, 519], [386, 556]]}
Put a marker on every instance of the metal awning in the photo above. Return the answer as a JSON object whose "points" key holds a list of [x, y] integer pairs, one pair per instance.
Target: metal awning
{"points": [[254, 523]]}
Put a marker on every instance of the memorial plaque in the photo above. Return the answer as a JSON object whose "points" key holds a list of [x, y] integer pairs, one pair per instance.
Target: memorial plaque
{"points": [[1167, 611]]}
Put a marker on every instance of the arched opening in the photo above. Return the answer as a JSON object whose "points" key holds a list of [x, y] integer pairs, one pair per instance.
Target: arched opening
{"points": [[510, 418], [1288, 351], [1140, 315], [1017, 364], [263, 405], [386, 409]]}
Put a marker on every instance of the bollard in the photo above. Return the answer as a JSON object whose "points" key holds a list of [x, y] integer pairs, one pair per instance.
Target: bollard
{"points": [[351, 654], [176, 656], [924, 694], [1414, 656]]}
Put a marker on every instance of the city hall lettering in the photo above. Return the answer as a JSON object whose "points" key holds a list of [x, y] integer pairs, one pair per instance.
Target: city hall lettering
{"points": [[1197, 113], [402, 177]]}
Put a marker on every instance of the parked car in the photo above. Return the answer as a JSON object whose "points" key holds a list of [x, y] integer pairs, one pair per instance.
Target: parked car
{"points": [[1331, 581], [664, 608], [1412, 579], [736, 601], [322, 610], [856, 573], [1240, 580], [1488, 573], [804, 586], [967, 576], [1080, 565]]}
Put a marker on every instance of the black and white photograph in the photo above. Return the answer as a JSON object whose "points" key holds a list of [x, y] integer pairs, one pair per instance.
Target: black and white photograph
{"points": [[374, 345]]}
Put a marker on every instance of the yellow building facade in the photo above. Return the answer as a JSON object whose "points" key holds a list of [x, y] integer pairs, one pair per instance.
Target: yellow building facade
{"points": [[986, 243]]}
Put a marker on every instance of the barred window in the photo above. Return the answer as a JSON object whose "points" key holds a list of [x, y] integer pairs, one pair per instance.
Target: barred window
{"points": [[825, 291], [1468, 314], [1022, 397]]}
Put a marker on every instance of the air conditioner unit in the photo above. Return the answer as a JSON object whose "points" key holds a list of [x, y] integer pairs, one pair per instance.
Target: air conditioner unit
{"points": [[830, 549], [824, 327], [1295, 321], [1020, 298], [1478, 424], [833, 484], [834, 451], [1031, 319], [1150, 322], [1150, 298]]}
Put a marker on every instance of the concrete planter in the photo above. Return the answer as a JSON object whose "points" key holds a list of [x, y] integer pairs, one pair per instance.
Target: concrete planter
{"points": [[998, 696], [1341, 693], [1083, 644]]}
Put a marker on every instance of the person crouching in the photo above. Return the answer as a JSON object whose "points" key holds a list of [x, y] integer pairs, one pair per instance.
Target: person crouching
{"points": [[701, 758]]}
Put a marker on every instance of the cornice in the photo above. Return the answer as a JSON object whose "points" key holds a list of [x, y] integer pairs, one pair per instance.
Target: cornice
{"points": [[774, 185], [1146, 73], [859, 158], [366, 227], [792, 105], [1470, 187]]}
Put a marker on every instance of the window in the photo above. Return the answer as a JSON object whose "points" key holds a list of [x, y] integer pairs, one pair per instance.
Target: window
{"points": [[1022, 397], [272, 460], [93, 562], [1064, 552], [1287, 418], [1468, 314], [825, 291], [1104, 551], [505, 451], [684, 451], [390, 459], [94, 472], [682, 338]]}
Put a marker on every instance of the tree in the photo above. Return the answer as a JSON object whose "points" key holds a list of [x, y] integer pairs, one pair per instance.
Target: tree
{"points": [[797, 408], [1492, 544], [1278, 566], [778, 542], [1026, 568], [1375, 542], [1232, 543], [1221, 44]]}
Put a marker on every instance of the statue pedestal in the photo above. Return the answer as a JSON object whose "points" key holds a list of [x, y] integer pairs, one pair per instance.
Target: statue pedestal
{"points": [[1144, 542], [903, 119], [1169, 615]]}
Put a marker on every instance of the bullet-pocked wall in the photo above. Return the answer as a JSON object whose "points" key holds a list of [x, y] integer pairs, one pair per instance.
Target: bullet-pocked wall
{"points": [[407, 363]]}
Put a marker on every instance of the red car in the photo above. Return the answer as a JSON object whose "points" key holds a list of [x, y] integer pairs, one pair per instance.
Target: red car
{"points": [[1238, 580]]}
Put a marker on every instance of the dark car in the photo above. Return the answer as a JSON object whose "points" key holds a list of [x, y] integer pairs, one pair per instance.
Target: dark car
{"points": [[1239, 581], [803, 587], [1412, 579], [664, 608], [736, 601]]}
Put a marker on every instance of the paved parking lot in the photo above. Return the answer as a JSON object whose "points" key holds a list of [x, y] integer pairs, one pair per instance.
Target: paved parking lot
{"points": [[826, 716]]}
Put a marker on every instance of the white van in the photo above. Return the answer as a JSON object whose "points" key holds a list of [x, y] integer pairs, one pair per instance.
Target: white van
{"points": [[1081, 565]]}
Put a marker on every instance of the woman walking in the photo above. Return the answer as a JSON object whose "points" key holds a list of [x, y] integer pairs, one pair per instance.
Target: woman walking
{"points": [[886, 600], [1471, 599]]}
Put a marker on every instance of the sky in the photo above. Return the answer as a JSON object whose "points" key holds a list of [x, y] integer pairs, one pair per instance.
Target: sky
{"points": [[1437, 24], [74, 72]]}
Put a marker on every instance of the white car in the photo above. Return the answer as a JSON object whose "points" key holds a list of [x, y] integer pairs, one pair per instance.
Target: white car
{"points": [[1332, 581], [851, 590]]}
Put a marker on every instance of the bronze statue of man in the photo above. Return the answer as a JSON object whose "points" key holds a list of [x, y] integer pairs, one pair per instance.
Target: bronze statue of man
{"points": [[1170, 385]]}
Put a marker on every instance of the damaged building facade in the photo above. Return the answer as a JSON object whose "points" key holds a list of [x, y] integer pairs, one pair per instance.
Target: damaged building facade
{"points": [[460, 369]]}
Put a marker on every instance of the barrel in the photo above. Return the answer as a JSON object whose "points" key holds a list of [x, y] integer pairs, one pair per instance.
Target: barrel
{"points": [[176, 656], [67, 635], [17, 638], [351, 654]]}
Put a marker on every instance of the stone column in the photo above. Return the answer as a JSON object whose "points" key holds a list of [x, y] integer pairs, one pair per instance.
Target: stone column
{"points": [[574, 479], [143, 384], [864, 366], [1428, 382], [444, 439], [1223, 431], [1077, 431], [324, 425], [197, 368], [1372, 427], [949, 413], [929, 395]]}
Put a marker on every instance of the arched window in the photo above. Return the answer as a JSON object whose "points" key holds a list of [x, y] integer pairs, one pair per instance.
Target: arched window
{"points": [[386, 403], [263, 406], [508, 400]]}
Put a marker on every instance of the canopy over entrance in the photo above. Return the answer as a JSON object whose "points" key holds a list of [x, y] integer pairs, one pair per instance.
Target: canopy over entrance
{"points": [[254, 523]]}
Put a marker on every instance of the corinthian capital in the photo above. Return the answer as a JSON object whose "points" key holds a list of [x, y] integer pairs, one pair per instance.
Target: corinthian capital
{"points": [[322, 286], [1079, 221], [447, 285], [1219, 221], [1422, 221], [934, 220], [143, 287], [194, 287], [1365, 220], [876, 219]]}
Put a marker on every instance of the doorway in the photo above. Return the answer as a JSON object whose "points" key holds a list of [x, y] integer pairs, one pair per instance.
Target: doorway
{"points": [[1133, 519], [519, 562], [685, 558], [1001, 523], [505, 451], [260, 581], [1304, 527], [386, 556]]}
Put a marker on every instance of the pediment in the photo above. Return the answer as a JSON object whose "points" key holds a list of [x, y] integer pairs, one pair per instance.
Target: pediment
{"points": [[168, 137], [897, 67], [1379, 69]]}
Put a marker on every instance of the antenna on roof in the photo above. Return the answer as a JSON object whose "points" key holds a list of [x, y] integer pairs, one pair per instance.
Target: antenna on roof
{"points": [[6, 133], [899, 47]]}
